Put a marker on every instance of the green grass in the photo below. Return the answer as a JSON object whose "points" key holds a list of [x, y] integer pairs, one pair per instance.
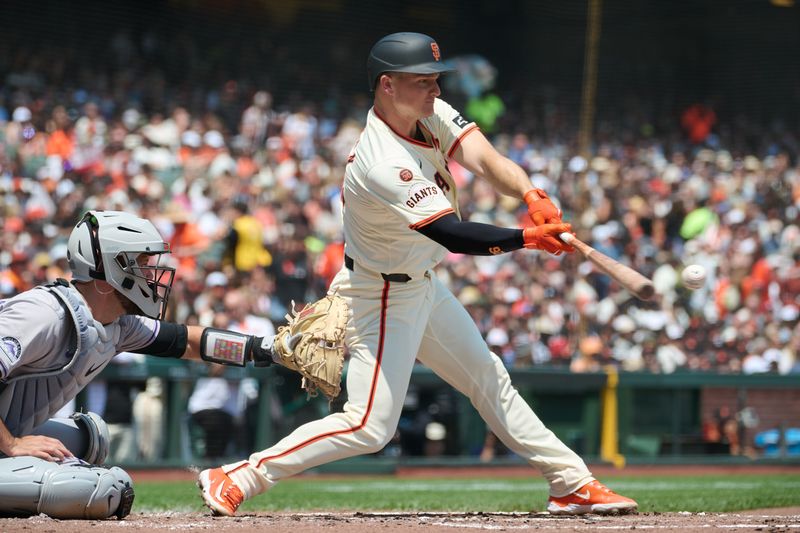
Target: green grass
{"points": [[386, 493]]}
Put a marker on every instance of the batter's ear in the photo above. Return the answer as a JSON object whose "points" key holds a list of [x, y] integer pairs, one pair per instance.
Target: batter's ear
{"points": [[385, 84]]}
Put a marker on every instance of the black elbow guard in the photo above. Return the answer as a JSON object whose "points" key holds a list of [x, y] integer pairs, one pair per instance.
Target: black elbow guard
{"points": [[171, 341]]}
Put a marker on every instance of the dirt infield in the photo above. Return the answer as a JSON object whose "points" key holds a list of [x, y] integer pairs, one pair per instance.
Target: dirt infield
{"points": [[389, 522], [762, 520]]}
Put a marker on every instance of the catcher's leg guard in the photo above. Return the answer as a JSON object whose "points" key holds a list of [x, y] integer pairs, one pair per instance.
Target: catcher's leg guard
{"points": [[84, 434], [30, 486]]}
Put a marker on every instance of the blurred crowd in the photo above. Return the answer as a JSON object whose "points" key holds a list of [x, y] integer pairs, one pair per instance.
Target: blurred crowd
{"points": [[246, 190], [658, 211]]}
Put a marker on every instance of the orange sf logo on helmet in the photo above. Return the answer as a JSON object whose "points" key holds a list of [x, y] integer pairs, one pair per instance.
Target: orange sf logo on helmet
{"points": [[435, 49]]}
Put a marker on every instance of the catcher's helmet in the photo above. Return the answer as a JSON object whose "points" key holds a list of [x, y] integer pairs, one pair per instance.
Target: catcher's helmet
{"points": [[125, 251], [404, 52]]}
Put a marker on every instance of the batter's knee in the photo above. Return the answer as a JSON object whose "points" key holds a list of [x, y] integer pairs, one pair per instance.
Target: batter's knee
{"points": [[31, 486], [378, 429], [375, 437]]}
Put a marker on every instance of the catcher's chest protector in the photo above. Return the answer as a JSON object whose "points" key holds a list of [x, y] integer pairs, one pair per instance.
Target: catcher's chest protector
{"points": [[28, 400], [30, 486]]}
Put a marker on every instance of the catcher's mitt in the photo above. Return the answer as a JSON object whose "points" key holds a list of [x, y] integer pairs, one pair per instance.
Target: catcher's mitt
{"points": [[318, 354]]}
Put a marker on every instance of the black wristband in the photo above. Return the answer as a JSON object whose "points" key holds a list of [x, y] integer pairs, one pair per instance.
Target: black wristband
{"points": [[261, 357]]}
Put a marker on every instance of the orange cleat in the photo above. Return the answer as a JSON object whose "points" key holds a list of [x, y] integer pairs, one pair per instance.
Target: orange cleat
{"points": [[219, 492], [594, 497]]}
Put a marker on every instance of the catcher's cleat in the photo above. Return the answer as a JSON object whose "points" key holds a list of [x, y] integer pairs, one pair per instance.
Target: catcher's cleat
{"points": [[594, 497], [219, 492]]}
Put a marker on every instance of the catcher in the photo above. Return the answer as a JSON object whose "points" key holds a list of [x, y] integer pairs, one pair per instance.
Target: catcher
{"points": [[56, 338]]}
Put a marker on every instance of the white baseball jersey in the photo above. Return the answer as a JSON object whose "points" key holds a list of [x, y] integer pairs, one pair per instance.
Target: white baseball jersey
{"points": [[393, 185]]}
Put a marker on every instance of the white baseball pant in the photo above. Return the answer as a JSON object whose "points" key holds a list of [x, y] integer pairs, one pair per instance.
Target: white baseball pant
{"points": [[392, 324]]}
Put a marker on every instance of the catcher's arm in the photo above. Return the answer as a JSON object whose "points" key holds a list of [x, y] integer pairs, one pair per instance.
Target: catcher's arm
{"points": [[214, 345], [40, 446], [227, 347], [311, 343]]}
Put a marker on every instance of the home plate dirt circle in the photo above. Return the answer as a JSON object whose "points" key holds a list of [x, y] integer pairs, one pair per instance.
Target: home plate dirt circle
{"points": [[379, 522]]}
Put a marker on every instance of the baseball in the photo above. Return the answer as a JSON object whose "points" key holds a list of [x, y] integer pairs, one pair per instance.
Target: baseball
{"points": [[693, 276]]}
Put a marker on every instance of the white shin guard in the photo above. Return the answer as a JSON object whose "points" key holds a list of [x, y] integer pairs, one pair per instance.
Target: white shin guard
{"points": [[68, 490]]}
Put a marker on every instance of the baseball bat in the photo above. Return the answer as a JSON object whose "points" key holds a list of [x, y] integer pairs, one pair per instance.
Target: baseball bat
{"points": [[635, 283]]}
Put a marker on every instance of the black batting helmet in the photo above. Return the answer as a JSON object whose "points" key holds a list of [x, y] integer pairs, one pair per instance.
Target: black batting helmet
{"points": [[404, 52]]}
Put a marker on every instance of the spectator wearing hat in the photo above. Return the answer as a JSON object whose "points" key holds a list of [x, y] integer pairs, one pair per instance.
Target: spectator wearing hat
{"points": [[147, 185], [257, 121], [32, 146], [91, 129], [211, 302], [300, 130], [500, 344], [238, 306], [191, 141], [186, 241], [59, 265], [19, 129], [61, 141], [18, 273], [222, 163], [161, 132]]}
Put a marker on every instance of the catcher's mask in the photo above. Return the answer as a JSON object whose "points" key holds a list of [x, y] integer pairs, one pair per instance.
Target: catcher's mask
{"points": [[125, 251], [404, 52]]}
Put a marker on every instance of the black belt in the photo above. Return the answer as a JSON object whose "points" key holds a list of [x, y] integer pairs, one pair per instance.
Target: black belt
{"points": [[400, 278]]}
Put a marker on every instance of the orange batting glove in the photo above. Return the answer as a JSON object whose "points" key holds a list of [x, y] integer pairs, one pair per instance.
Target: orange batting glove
{"points": [[546, 237], [541, 209]]}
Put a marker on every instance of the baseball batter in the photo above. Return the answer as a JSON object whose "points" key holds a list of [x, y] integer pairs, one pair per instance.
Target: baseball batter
{"points": [[55, 339], [400, 218]]}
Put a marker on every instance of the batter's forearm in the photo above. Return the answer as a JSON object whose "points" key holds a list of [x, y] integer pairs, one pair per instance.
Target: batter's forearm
{"points": [[478, 155], [472, 238], [506, 176], [194, 335]]}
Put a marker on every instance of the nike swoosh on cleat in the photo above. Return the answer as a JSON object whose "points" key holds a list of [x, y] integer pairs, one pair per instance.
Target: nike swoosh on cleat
{"points": [[585, 496], [218, 495]]}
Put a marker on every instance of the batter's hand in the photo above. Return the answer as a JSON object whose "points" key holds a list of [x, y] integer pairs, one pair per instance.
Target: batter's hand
{"points": [[46, 448], [545, 237], [541, 209]]}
